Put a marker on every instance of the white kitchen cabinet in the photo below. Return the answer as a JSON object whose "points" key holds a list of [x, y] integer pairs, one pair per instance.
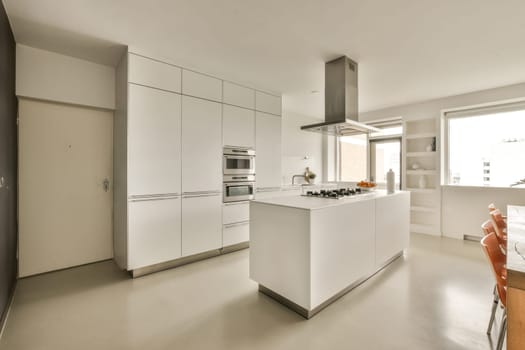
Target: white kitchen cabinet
{"points": [[235, 212], [237, 95], [154, 231], [154, 134], [200, 85], [235, 233], [145, 71], [201, 145], [238, 126], [392, 215], [268, 150], [267, 103], [201, 223]]}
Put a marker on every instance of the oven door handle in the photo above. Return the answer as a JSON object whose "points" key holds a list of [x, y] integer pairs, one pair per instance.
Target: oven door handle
{"points": [[239, 157], [236, 184]]}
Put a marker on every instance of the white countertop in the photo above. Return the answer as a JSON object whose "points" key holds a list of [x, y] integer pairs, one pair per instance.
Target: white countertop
{"points": [[313, 203]]}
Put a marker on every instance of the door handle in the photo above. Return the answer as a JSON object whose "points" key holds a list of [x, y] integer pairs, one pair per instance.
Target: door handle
{"points": [[105, 185]]}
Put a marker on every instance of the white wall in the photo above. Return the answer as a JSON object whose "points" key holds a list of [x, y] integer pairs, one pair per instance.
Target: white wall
{"points": [[298, 144], [433, 107], [50, 76], [463, 208]]}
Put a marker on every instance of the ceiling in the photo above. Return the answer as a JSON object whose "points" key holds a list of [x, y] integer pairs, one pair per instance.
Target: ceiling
{"points": [[408, 51]]}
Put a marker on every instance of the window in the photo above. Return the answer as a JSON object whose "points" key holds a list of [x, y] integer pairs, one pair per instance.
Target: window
{"points": [[385, 154], [369, 156], [353, 164], [486, 147]]}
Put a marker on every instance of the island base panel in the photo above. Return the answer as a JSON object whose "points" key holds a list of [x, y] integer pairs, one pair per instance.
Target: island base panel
{"points": [[146, 270], [310, 313]]}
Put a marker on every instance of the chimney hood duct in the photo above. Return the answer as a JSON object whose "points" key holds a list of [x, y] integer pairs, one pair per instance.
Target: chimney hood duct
{"points": [[340, 95]]}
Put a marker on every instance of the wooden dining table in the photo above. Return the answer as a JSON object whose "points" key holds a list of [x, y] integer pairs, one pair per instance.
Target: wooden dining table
{"points": [[515, 277]]}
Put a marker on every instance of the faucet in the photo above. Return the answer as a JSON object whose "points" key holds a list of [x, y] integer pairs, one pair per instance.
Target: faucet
{"points": [[293, 178]]}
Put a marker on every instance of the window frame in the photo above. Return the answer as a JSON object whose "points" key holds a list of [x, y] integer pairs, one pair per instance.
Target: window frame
{"points": [[385, 139], [380, 123], [455, 113]]}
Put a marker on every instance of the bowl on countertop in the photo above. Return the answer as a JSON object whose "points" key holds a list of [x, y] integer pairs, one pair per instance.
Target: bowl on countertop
{"points": [[367, 189]]}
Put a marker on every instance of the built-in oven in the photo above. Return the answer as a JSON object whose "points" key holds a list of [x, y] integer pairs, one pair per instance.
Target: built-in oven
{"points": [[238, 188], [238, 161]]}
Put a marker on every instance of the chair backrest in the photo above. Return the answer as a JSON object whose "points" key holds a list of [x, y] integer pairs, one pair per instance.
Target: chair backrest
{"points": [[497, 261], [487, 227], [500, 226]]}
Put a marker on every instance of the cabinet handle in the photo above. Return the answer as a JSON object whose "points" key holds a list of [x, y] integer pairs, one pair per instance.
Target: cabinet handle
{"points": [[237, 224], [154, 195], [200, 194], [236, 203], [147, 199]]}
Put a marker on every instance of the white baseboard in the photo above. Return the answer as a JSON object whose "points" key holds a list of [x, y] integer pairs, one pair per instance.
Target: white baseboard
{"points": [[3, 321]]}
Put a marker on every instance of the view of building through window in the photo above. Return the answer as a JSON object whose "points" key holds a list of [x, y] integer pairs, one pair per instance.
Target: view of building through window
{"points": [[487, 150]]}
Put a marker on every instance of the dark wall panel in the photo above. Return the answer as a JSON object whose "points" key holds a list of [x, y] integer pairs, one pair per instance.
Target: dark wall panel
{"points": [[8, 163]]}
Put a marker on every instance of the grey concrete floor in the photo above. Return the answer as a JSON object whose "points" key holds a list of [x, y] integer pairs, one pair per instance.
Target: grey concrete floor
{"points": [[437, 297]]}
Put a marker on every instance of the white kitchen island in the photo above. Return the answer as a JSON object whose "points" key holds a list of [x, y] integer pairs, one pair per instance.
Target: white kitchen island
{"points": [[306, 252]]}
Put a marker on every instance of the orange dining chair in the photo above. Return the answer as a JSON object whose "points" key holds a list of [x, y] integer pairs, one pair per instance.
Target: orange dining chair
{"points": [[500, 227], [497, 261], [487, 227], [493, 207]]}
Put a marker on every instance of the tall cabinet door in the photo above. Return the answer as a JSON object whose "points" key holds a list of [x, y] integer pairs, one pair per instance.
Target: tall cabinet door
{"points": [[201, 223], [238, 126], [154, 131], [154, 231], [268, 148], [201, 145]]}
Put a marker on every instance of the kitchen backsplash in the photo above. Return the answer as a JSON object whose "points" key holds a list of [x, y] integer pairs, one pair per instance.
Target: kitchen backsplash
{"points": [[295, 165]]}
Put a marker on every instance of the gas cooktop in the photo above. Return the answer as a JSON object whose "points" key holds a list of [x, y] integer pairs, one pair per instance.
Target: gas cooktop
{"points": [[334, 193]]}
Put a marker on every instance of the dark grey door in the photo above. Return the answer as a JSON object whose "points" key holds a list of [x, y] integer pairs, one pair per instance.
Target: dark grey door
{"points": [[8, 162]]}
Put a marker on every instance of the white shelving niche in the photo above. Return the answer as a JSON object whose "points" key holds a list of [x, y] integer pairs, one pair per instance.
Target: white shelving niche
{"points": [[421, 161]]}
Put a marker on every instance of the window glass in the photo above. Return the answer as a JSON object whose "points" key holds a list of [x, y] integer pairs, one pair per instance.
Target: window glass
{"points": [[239, 190], [233, 163], [353, 157], [385, 155], [487, 150]]}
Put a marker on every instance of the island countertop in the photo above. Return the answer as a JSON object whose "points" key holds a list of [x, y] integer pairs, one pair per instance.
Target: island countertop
{"points": [[313, 203]]}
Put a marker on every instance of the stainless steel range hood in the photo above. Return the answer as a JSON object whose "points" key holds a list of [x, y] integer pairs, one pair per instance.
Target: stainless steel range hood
{"points": [[340, 95]]}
